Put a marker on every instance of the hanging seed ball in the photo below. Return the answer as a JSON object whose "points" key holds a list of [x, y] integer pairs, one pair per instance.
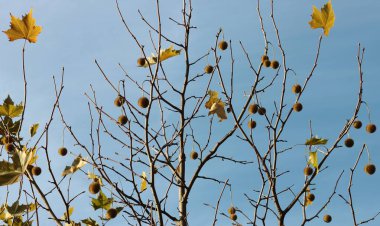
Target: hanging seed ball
{"points": [[208, 69], [261, 111], [327, 218], [231, 210], [223, 45], [253, 108], [370, 169], [122, 120], [370, 128], [228, 110], [29, 168], [111, 213], [94, 188], [251, 124], [141, 62], [297, 107], [349, 142], [308, 171], [193, 155], [264, 58], [10, 148], [233, 217], [357, 124], [119, 101], [274, 64], [143, 102], [36, 171], [296, 88], [310, 197], [267, 63], [62, 151]]}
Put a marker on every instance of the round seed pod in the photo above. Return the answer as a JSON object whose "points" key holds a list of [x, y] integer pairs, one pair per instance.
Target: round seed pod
{"points": [[143, 102], [308, 171], [251, 124], [193, 155], [36, 171], [357, 124], [327, 218], [141, 62], [253, 108], [310, 197], [223, 45], [296, 88], [208, 69], [370, 169], [274, 64], [62, 151], [297, 107], [370, 128], [94, 188], [111, 213], [122, 120]]}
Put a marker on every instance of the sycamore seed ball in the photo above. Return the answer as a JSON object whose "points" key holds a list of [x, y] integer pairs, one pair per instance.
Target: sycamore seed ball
{"points": [[94, 188], [370, 169], [253, 108], [349, 142], [9, 147], [62, 151], [228, 110], [327, 218], [141, 62], [119, 101], [297, 107], [251, 124], [296, 88], [111, 213], [370, 128], [267, 63], [261, 111], [310, 197], [308, 171], [231, 210], [122, 120], [193, 155], [233, 217], [143, 102], [264, 58], [357, 124], [208, 69], [274, 64], [223, 45], [36, 171]]}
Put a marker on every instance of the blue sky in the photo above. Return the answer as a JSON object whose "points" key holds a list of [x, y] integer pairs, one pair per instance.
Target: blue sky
{"points": [[75, 33]]}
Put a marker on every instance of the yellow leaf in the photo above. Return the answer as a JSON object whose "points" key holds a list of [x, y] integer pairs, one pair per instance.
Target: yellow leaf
{"points": [[71, 210], [323, 18], [143, 182], [218, 108], [24, 28], [95, 177], [313, 159], [316, 141], [216, 105], [164, 55], [78, 163], [307, 201]]}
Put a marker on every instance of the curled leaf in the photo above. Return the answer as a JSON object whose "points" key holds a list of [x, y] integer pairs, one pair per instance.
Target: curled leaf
{"points": [[216, 105], [24, 28], [144, 182], [313, 159], [33, 129], [101, 202], [164, 55], [323, 18], [78, 163]]}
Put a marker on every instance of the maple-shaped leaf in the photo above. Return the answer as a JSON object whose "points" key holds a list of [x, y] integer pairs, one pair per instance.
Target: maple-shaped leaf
{"points": [[102, 202], [323, 18], [24, 28], [164, 55], [216, 105], [11, 110], [78, 163], [10, 173], [17, 209], [144, 182], [316, 141]]}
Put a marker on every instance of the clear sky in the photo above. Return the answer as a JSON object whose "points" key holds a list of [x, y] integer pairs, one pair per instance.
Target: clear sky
{"points": [[75, 33]]}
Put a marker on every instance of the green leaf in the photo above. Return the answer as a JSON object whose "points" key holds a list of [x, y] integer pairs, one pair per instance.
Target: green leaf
{"points": [[90, 222], [316, 141], [11, 111], [18, 210], [9, 173], [33, 129], [102, 202]]}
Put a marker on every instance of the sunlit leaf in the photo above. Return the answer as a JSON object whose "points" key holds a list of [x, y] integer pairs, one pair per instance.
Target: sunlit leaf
{"points": [[164, 55], [4, 214], [17, 209], [316, 141], [216, 105], [71, 210], [95, 177], [11, 110], [143, 185], [323, 18], [10, 173], [78, 163], [101, 202], [24, 28], [313, 159], [33, 129], [307, 201]]}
